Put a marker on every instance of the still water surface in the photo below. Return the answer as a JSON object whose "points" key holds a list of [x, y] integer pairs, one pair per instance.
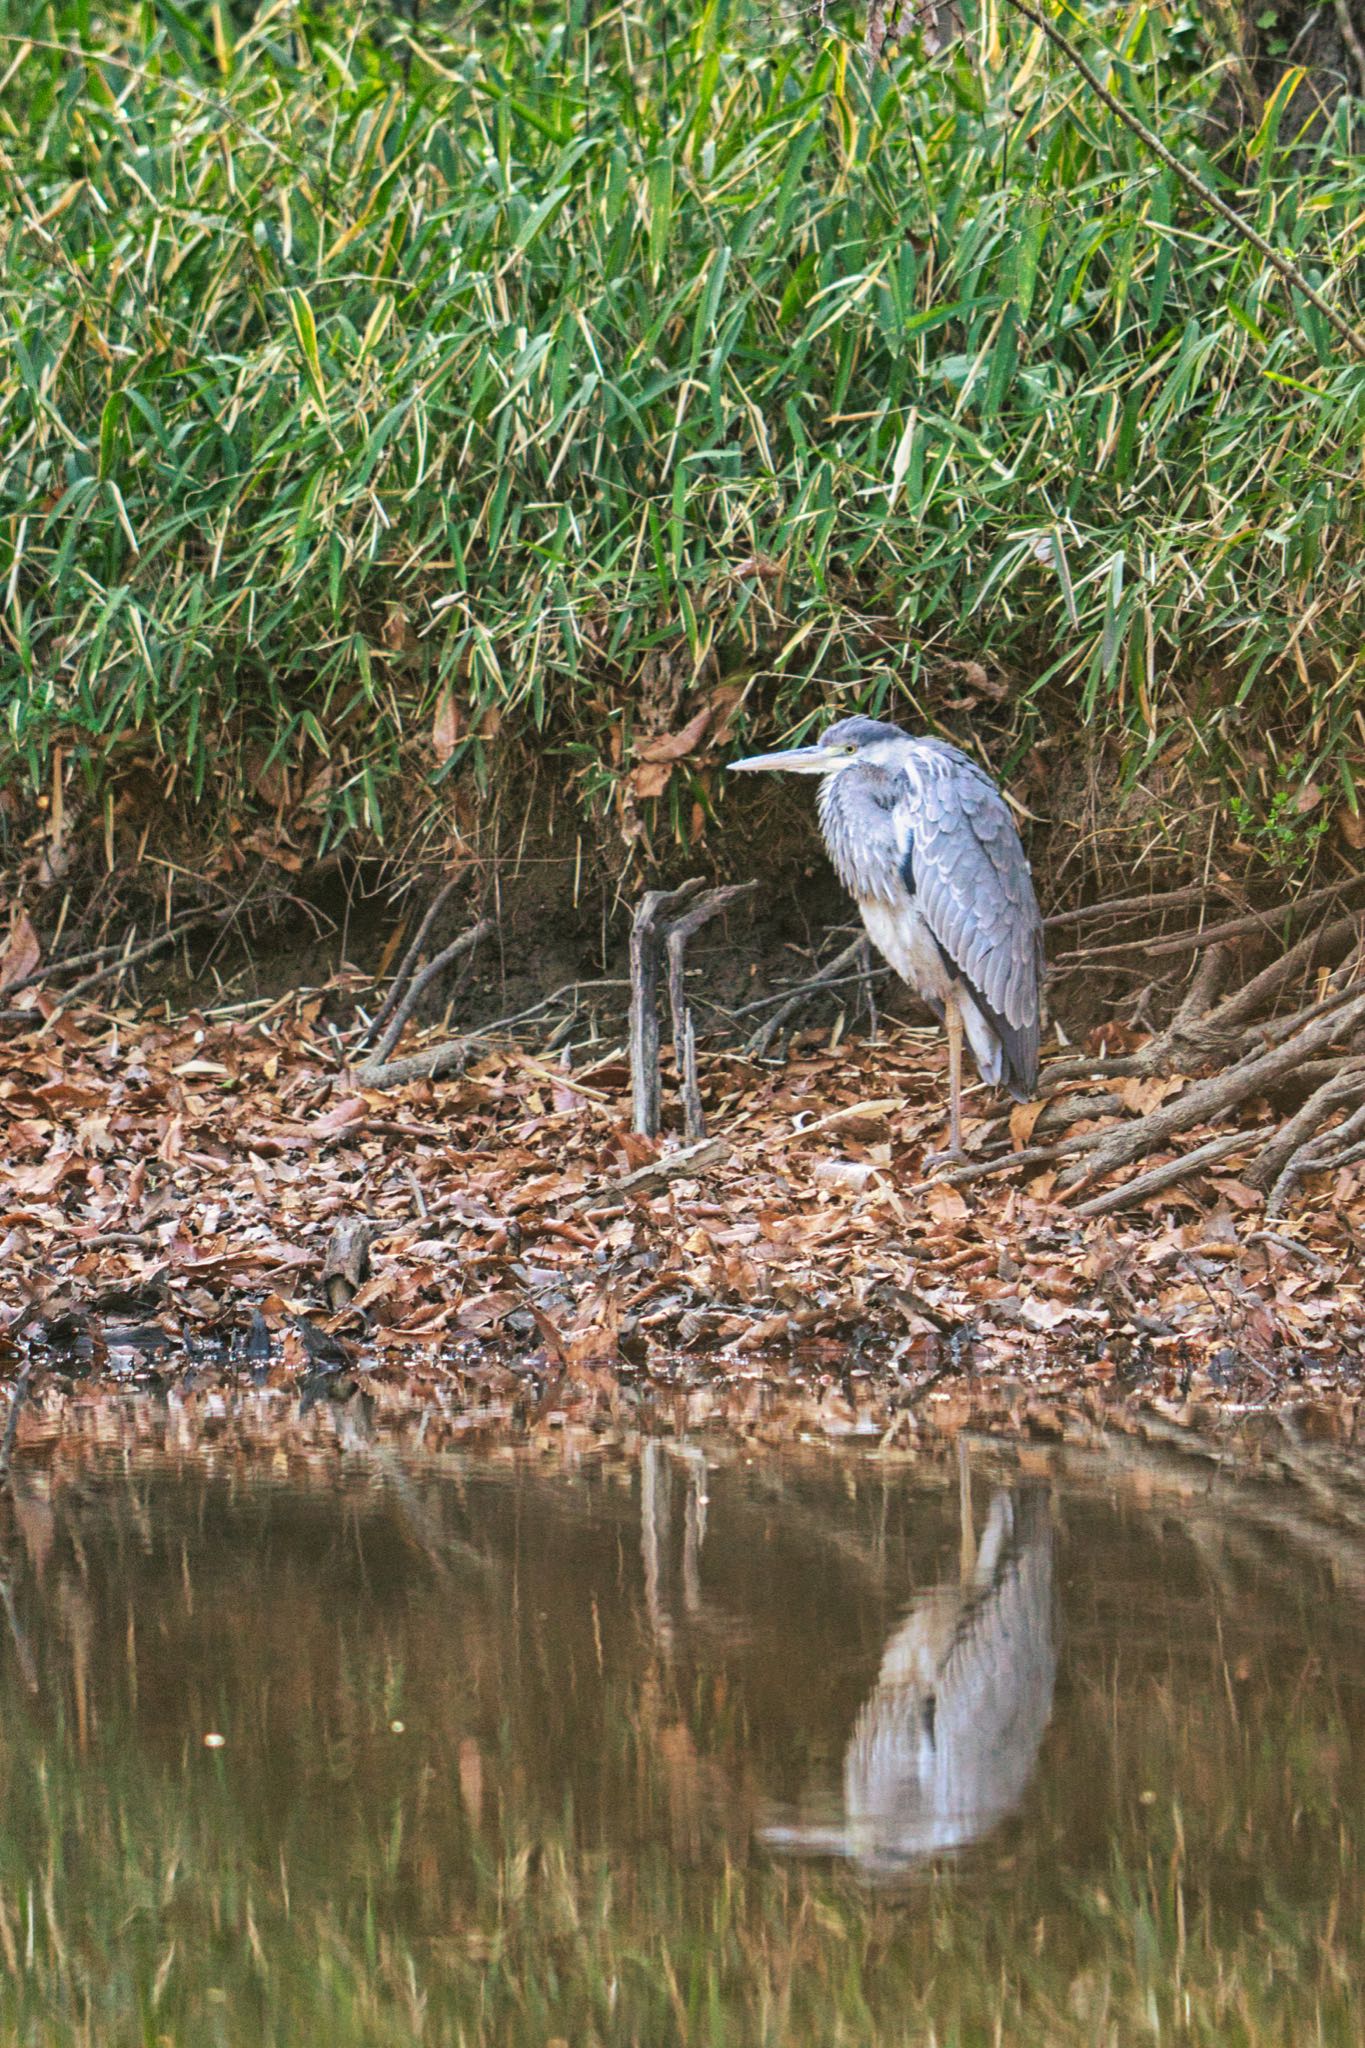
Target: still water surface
{"points": [[678, 1745]]}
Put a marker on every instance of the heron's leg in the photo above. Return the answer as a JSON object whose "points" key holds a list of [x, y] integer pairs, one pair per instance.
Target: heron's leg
{"points": [[952, 1017], [967, 1545]]}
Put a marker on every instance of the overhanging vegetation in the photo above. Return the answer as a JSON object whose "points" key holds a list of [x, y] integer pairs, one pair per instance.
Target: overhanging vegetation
{"points": [[369, 390]]}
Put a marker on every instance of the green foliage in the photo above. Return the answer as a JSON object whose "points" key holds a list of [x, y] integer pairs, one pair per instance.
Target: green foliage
{"points": [[345, 379], [1289, 827]]}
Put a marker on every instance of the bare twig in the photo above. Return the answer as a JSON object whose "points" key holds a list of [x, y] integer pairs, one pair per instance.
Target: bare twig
{"points": [[822, 985], [130, 956], [1293, 1249], [1266, 921], [407, 964], [1350, 35], [416, 989], [796, 998], [1133, 906], [91, 957]]}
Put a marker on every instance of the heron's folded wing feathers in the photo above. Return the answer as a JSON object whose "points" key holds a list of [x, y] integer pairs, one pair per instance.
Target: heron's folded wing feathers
{"points": [[974, 891]]}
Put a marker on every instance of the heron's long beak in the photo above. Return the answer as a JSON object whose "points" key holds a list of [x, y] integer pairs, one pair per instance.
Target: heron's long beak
{"points": [[796, 761]]}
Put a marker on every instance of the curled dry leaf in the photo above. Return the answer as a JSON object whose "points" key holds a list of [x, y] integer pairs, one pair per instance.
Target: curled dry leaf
{"points": [[675, 746], [447, 726], [650, 779], [1023, 1117], [21, 953]]}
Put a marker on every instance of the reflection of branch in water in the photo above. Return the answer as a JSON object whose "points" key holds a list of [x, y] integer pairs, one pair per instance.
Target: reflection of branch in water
{"points": [[27, 1667], [12, 1419], [654, 1519], [656, 1516], [945, 1746]]}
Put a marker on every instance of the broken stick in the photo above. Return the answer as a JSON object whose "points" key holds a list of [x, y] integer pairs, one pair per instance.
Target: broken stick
{"points": [[684, 1033], [646, 1087]]}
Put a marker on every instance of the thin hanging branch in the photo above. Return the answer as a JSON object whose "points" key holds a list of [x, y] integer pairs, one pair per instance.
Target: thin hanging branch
{"points": [[1288, 271]]}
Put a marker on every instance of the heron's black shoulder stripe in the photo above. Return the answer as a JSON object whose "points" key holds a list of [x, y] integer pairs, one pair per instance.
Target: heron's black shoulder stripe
{"points": [[908, 873]]}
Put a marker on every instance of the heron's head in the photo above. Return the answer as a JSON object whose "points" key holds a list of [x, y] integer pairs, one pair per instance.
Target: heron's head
{"points": [[839, 747]]}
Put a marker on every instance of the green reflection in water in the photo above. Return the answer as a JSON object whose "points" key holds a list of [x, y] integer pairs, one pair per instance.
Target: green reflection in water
{"points": [[516, 1755]]}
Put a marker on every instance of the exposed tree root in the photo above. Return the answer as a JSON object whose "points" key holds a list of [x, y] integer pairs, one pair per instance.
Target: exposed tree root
{"points": [[1345, 1083], [1305, 1059], [408, 997], [1168, 1174], [1206, 1101], [407, 965], [1317, 1154], [799, 997]]}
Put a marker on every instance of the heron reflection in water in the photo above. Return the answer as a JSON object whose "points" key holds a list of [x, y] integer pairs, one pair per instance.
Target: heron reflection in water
{"points": [[945, 1746]]}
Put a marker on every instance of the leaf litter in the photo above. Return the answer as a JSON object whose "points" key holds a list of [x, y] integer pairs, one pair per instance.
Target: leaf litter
{"points": [[215, 1201]]}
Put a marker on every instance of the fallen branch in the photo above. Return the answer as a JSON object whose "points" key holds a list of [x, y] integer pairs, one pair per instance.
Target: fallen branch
{"points": [[450, 1057], [91, 957], [404, 1008], [129, 956], [648, 1180], [1166, 1175], [407, 964]]}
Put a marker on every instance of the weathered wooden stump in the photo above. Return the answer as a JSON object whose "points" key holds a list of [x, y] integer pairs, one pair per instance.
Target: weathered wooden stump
{"points": [[655, 929]]}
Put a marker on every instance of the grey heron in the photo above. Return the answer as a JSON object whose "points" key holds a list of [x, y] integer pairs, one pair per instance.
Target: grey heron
{"points": [[923, 840]]}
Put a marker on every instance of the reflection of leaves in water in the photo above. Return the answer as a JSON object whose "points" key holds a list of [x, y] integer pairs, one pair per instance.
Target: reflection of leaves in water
{"points": [[945, 1746]]}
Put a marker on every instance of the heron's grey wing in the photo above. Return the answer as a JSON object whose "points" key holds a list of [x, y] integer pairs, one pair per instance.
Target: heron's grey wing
{"points": [[964, 863]]}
